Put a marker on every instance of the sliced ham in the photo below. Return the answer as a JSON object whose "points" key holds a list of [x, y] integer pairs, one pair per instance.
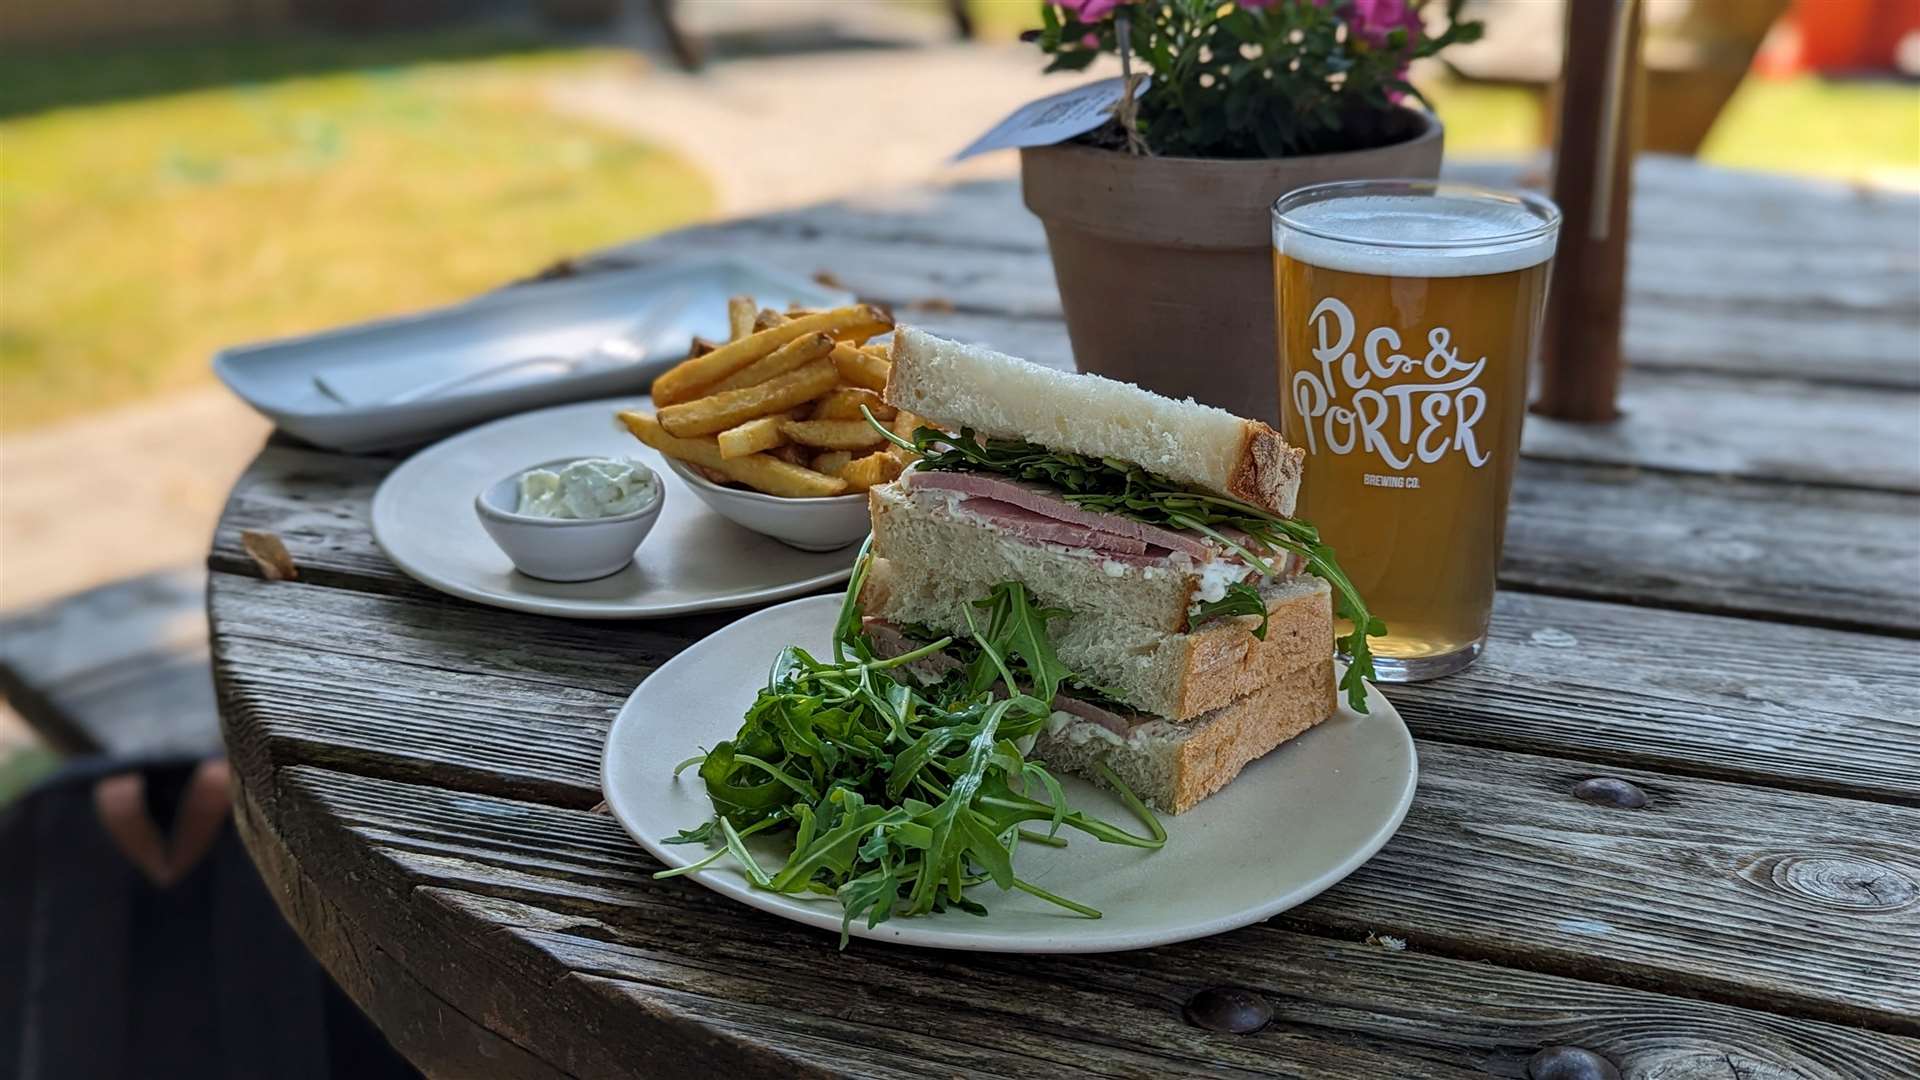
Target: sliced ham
{"points": [[1094, 714], [1039, 500], [1039, 528]]}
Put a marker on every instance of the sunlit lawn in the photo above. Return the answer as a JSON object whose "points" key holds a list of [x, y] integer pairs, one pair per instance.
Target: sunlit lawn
{"points": [[138, 235]]}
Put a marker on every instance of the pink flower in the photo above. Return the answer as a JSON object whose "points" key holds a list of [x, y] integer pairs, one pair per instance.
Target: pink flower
{"points": [[1091, 41], [1090, 10], [1375, 19]]}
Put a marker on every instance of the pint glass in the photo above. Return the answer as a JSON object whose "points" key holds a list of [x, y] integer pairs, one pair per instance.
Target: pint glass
{"points": [[1408, 315]]}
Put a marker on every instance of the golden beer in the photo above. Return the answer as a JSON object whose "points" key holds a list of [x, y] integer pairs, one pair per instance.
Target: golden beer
{"points": [[1408, 316]]}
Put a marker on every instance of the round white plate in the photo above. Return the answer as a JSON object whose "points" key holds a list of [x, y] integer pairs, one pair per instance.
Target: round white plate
{"points": [[1292, 824], [694, 560]]}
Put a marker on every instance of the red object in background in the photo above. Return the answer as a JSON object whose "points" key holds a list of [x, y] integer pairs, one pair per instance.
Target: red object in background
{"points": [[1836, 36]]}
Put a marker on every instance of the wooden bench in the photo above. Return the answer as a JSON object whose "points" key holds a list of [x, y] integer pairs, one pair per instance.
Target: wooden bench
{"points": [[120, 670]]}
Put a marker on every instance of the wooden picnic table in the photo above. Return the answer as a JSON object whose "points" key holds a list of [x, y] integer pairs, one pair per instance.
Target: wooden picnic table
{"points": [[1715, 600]]}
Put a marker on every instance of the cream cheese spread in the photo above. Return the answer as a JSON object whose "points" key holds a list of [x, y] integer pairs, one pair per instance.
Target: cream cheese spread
{"points": [[587, 489]]}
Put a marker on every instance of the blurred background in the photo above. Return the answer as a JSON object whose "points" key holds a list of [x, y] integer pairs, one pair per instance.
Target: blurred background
{"points": [[178, 175]]}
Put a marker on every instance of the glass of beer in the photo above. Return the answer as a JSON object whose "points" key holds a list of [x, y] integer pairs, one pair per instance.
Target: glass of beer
{"points": [[1409, 312]]}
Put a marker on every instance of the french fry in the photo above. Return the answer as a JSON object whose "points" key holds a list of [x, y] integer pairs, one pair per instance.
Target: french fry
{"points": [[789, 453], [700, 346], [752, 437], [844, 404], [794, 354], [832, 462], [882, 352], [760, 471], [904, 425], [857, 367], [833, 434], [769, 317], [740, 314], [685, 381], [709, 415], [870, 471]]}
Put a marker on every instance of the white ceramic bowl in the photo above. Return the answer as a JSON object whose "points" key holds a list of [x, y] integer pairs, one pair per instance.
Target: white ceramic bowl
{"points": [[807, 524], [563, 549]]}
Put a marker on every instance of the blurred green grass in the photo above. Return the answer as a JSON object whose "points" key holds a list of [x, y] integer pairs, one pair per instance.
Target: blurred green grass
{"points": [[140, 233]]}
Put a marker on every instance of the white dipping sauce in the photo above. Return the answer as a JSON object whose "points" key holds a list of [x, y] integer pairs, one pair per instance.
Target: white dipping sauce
{"points": [[586, 489]]}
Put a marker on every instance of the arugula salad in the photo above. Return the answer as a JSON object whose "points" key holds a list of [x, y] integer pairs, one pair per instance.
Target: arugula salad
{"points": [[902, 796]]}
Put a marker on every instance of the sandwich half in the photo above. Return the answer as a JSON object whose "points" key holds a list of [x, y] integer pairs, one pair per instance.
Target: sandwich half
{"points": [[1196, 617], [1169, 764]]}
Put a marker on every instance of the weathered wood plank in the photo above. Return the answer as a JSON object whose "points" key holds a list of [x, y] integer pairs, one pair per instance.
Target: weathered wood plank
{"points": [[1732, 699], [1563, 677], [576, 897], [1829, 557], [284, 703], [1763, 429], [119, 669], [1848, 559], [1790, 280], [438, 1039], [1778, 900]]}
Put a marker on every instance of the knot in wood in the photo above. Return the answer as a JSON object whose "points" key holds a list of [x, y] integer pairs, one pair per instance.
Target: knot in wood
{"points": [[1230, 1010], [1837, 881], [1570, 1063], [1610, 791]]}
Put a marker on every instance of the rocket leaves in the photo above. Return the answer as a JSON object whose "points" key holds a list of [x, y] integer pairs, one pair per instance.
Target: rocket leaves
{"points": [[901, 798]]}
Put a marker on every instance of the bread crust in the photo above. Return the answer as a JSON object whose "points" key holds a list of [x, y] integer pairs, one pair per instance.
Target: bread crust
{"points": [[1268, 473], [1218, 745], [1265, 470], [1225, 662], [1249, 729]]}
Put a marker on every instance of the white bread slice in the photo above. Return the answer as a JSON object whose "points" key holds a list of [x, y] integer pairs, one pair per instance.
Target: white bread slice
{"points": [[1173, 675], [961, 559], [957, 385], [1173, 766]]}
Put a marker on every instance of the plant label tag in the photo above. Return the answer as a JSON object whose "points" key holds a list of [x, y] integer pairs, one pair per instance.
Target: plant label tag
{"points": [[1054, 118]]}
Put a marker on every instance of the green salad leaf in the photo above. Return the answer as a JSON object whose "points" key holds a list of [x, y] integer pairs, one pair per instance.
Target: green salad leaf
{"points": [[1242, 598], [1111, 486], [899, 798]]}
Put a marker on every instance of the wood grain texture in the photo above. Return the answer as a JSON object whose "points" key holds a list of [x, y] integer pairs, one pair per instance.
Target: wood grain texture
{"points": [[1823, 556], [1732, 699], [567, 894], [500, 735], [1831, 557], [1562, 677], [1793, 902], [436, 1038]]}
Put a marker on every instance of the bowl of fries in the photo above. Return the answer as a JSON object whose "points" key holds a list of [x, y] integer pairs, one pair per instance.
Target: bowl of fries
{"points": [[770, 429]]}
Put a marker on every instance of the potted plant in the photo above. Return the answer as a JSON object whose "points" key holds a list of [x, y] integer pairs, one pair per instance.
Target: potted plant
{"points": [[1158, 221]]}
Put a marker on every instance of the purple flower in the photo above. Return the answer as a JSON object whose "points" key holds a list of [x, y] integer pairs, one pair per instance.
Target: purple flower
{"points": [[1089, 10], [1375, 19]]}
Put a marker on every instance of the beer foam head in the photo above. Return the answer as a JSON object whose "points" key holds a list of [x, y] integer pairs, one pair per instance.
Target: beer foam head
{"points": [[1416, 235]]}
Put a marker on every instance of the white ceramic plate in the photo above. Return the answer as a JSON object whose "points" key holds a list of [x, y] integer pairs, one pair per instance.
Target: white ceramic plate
{"points": [[1294, 823], [548, 318], [694, 560]]}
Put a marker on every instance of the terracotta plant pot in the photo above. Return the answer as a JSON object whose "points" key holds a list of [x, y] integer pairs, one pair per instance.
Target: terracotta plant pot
{"points": [[1165, 266]]}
